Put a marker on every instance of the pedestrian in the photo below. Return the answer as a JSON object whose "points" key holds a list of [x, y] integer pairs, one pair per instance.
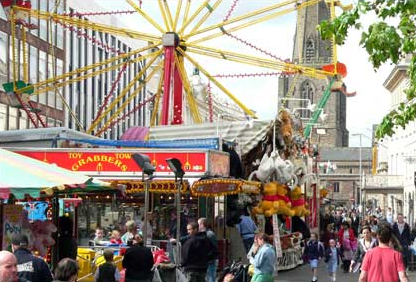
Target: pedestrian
{"points": [[389, 216], [66, 271], [98, 236], [366, 243], [332, 259], [347, 240], [67, 244], [131, 232], [115, 237], [355, 222], [314, 251], [401, 231], [382, 263], [138, 261], [213, 263], [328, 235], [247, 229], [263, 260], [108, 271], [196, 253], [8, 268], [29, 266]]}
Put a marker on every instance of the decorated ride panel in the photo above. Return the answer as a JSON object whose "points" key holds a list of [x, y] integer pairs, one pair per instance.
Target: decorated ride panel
{"points": [[155, 186]]}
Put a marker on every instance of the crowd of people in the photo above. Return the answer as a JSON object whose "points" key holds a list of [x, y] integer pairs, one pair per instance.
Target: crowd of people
{"points": [[376, 245]]}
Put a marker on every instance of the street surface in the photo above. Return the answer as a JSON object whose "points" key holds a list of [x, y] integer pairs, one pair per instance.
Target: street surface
{"points": [[304, 273]]}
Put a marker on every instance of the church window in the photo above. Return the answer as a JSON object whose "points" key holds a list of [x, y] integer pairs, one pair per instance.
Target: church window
{"points": [[310, 50], [307, 93]]}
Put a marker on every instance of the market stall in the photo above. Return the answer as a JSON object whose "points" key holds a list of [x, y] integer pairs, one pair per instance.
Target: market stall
{"points": [[29, 191]]}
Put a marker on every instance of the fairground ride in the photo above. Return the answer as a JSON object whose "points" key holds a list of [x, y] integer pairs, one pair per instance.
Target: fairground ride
{"points": [[182, 34]]}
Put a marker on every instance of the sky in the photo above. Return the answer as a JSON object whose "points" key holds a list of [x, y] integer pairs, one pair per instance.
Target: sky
{"points": [[276, 36]]}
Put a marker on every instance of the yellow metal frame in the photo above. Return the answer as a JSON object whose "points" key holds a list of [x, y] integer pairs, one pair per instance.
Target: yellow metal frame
{"points": [[157, 99], [125, 90], [132, 95], [172, 22], [146, 16], [217, 83], [193, 106]]}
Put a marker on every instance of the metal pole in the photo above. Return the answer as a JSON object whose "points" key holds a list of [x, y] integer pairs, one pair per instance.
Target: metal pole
{"points": [[360, 171], [146, 208], [178, 219]]}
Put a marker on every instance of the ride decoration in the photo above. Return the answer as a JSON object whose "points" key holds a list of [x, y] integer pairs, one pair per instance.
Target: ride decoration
{"points": [[155, 186], [216, 187], [182, 34]]}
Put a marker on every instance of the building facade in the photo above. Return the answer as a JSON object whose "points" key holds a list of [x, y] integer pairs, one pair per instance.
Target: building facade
{"points": [[398, 152], [339, 173], [310, 50], [75, 104]]}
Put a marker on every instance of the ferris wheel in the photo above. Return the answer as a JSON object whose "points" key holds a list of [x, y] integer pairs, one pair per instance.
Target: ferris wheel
{"points": [[181, 35]]}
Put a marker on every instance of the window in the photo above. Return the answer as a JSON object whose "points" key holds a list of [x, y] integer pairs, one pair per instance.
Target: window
{"points": [[307, 93], [310, 50], [336, 187]]}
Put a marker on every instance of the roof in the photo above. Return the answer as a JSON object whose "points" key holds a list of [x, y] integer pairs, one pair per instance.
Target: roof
{"points": [[245, 134], [27, 137], [346, 154]]}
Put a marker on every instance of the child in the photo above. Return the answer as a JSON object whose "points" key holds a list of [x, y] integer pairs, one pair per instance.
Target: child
{"points": [[115, 237], [347, 254], [314, 251], [332, 259], [107, 271]]}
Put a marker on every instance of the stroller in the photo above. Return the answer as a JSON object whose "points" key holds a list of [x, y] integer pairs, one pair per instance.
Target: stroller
{"points": [[238, 270]]}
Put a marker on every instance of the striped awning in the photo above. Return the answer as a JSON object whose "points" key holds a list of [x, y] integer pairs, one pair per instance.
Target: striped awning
{"points": [[21, 176], [246, 134]]}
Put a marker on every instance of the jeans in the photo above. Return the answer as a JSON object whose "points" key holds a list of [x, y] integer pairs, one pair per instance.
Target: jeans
{"points": [[195, 276], [248, 243], [212, 271]]}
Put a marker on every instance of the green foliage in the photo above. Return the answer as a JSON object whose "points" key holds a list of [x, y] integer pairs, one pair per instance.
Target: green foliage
{"points": [[384, 43]]}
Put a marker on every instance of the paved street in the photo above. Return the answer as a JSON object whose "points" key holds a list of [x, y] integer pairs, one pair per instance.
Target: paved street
{"points": [[303, 273]]}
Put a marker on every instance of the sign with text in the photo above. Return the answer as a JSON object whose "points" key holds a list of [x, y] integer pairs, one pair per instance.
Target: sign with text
{"points": [[276, 236], [101, 162], [12, 223]]}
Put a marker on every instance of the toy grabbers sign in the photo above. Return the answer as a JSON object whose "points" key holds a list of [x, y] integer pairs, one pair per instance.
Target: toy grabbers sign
{"points": [[121, 163]]}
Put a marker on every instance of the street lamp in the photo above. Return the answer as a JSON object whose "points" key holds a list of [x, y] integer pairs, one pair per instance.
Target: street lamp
{"points": [[360, 197], [176, 166], [143, 161]]}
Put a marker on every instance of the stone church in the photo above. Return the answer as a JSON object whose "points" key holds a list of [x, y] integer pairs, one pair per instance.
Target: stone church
{"points": [[310, 50]]}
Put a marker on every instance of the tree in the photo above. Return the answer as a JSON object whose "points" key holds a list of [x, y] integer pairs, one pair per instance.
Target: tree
{"points": [[383, 42]]}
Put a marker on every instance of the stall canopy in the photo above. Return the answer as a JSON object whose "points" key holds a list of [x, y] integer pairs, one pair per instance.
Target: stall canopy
{"points": [[247, 134], [20, 176]]}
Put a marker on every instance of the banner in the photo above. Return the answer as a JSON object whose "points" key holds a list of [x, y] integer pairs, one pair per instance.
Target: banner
{"points": [[276, 236], [12, 223]]}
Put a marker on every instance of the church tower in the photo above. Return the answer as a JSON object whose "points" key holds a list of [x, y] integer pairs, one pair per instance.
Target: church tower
{"points": [[310, 50]]}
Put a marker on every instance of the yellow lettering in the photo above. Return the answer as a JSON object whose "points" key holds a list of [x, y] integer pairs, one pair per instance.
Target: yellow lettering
{"points": [[124, 167], [118, 163], [123, 156], [97, 158], [89, 160], [81, 162], [104, 158], [110, 160], [75, 155], [75, 167]]}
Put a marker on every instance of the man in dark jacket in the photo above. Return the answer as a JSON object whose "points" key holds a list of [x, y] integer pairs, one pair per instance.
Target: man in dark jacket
{"points": [[138, 262], [402, 232], [29, 267], [197, 251]]}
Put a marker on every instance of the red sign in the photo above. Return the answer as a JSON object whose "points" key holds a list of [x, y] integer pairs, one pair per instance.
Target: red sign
{"points": [[104, 161]]}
